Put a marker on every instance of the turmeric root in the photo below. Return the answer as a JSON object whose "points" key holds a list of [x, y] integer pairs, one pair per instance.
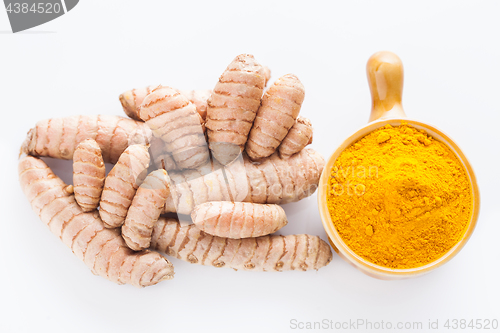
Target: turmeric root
{"points": [[131, 100], [233, 106], [58, 137], [267, 253], [173, 118], [199, 98], [145, 210], [279, 108], [299, 136], [121, 184], [102, 250], [238, 219], [161, 159], [88, 174], [273, 181], [191, 187]]}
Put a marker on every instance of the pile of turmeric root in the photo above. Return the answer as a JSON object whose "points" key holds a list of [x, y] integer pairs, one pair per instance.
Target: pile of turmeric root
{"points": [[219, 164]]}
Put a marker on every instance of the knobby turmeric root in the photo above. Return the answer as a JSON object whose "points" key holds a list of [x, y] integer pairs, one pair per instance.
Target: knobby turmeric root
{"points": [[279, 108], [145, 210], [88, 174], [233, 106], [102, 250], [238, 219], [131, 100], [273, 181], [267, 253], [58, 137], [121, 184], [173, 118], [299, 136]]}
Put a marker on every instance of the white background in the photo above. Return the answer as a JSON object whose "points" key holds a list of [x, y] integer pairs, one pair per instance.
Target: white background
{"points": [[81, 62]]}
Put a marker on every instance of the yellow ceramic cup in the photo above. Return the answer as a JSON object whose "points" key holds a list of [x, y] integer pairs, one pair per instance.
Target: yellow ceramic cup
{"points": [[385, 77]]}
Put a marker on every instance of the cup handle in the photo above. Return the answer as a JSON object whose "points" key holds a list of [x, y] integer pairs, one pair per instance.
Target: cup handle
{"points": [[385, 78]]}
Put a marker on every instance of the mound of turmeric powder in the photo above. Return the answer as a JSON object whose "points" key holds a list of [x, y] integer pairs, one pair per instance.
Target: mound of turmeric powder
{"points": [[399, 198]]}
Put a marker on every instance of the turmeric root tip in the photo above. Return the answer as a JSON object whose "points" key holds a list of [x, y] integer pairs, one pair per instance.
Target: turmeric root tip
{"points": [[121, 184]]}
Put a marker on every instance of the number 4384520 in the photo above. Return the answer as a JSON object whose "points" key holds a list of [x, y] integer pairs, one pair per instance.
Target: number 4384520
{"points": [[36, 8], [478, 324]]}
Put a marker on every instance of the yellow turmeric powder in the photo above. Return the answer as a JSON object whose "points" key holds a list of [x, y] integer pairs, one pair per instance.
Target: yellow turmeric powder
{"points": [[399, 198]]}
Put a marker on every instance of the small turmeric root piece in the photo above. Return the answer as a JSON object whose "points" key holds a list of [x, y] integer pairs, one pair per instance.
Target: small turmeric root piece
{"points": [[299, 136], [233, 106], [102, 250], [121, 184], [279, 108], [239, 219], [88, 174], [58, 137], [145, 210], [131, 100], [272, 181], [267, 253], [173, 118]]}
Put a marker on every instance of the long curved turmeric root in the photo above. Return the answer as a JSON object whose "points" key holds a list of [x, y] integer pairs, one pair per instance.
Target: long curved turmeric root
{"points": [[145, 210], [58, 137], [160, 157], [121, 184], [131, 100], [279, 108], [233, 106], [267, 253], [299, 136], [238, 219], [102, 250], [273, 181], [88, 174], [173, 118]]}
